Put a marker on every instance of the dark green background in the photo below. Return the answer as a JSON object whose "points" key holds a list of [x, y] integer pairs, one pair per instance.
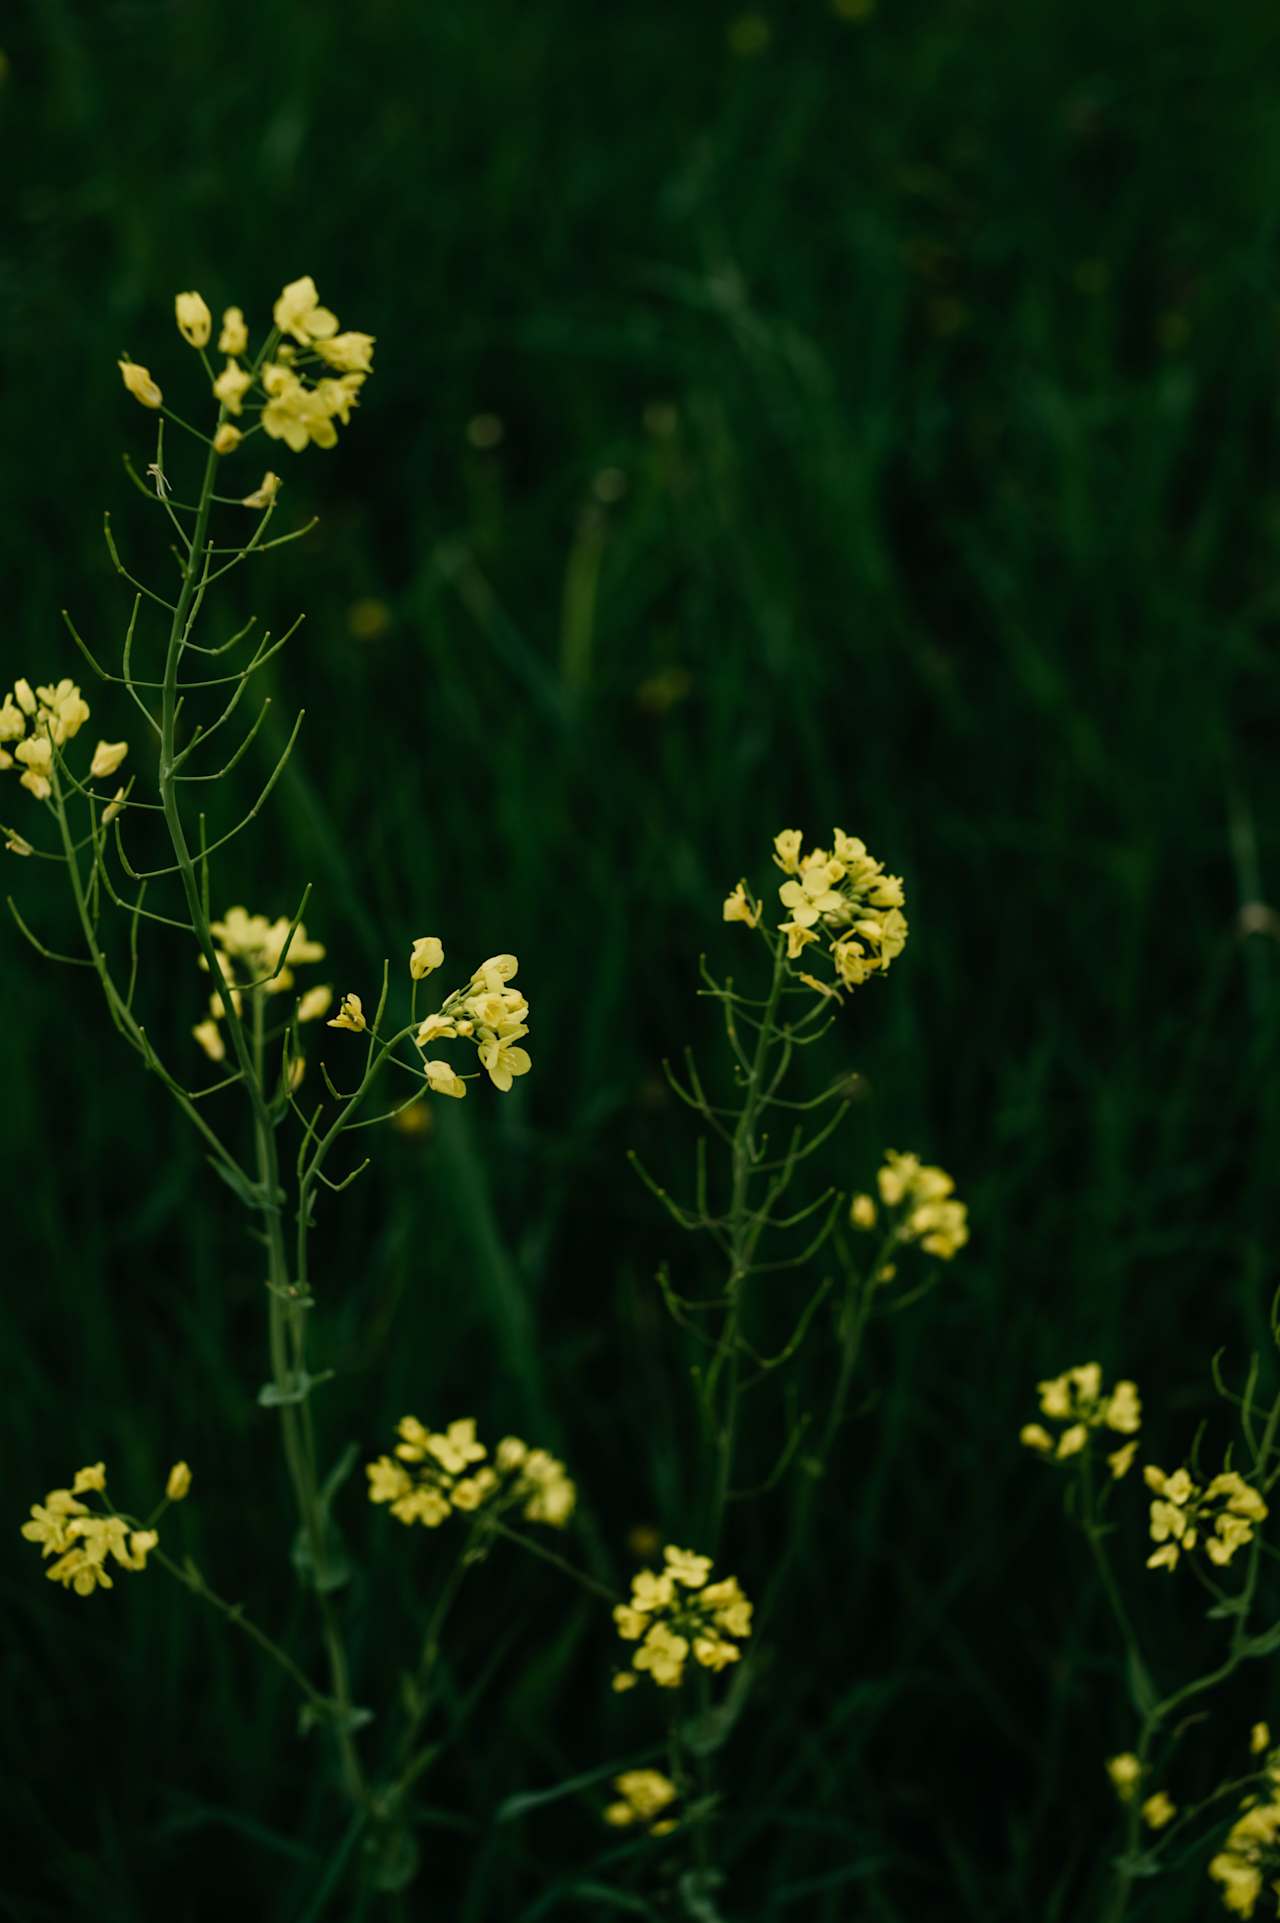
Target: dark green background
{"points": [[956, 523]]}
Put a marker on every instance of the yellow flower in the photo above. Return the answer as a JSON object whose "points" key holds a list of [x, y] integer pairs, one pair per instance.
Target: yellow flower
{"points": [[139, 383], [797, 936], [314, 1004], [812, 896], [1259, 1738], [650, 1592], [663, 1654], [13, 722], [436, 1028], [36, 756], [231, 386], [1120, 1461], [1124, 1410], [195, 322], [94, 1477], [179, 1482], [738, 908], [1125, 1772], [24, 697], [443, 1079], [1072, 1440], [786, 850], [457, 1445], [686, 1567], [209, 1036], [501, 1059], [426, 954], [350, 353], [234, 337], [495, 973], [1034, 1436], [1158, 1810], [644, 1794], [298, 312], [862, 1212], [107, 757], [227, 439], [350, 1015], [51, 1519], [63, 711], [388, 1480], [265, 493]]}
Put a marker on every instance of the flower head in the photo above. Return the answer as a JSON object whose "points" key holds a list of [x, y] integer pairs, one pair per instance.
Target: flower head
{"points": [[642, 1796], [1075, 1400], [435, 1472], [677, 1613]]}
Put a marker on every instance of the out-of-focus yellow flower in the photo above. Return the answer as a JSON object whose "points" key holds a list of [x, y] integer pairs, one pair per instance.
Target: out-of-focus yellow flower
{"points": [[1259, 1738], [227, 439], [1248, 1853], [209, 1036], [139, 382], [179, 1482], [315, 1003], [426, 955], [36, 756], [1120, 1461], [1125, 1772], [1158, 1810], [1221, 1517], [928, 1213], [677, 1612], [738, 908], [195, 322], [1075, 1398], [862, 1212], [299, 313], [643, 1795], [234, 337], [231, 386], [81, 1540], [107, 757], [433, 1473], [265, 493], [93, 1478], [350, 353], [350, 1015]]}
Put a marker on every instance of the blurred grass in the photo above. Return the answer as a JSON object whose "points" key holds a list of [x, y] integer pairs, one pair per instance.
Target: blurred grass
{"points": [[887, 436]]}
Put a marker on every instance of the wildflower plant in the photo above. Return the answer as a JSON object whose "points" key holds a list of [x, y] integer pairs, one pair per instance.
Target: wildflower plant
{"points": [[128, 824], [1202, 1523]]}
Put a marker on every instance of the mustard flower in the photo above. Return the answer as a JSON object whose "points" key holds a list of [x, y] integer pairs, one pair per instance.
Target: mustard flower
{"points": [[227, 439], [862, 1212], [737, 907], [315, 1003], [13, 722], [36, 756], [299, 313], [426, 955], [1259, 1738], [350, 353], [436, 1028], [1074, 1399], [643, 1795], [81, 1540], [179, 1482], [1158, 1810], [257, 945], [499, 1056], [1250, 1854], [231, 386], [195, 322], [443, 1079], [209, 1036], [926, 1211], [1221, 1518], [107, 757], [234, 337], [786, 850], [675, 1613], [265, 493], [844, 895], [92, 1478], [350, 1015], [139, 382], [1125, 1772], [433, 1473], [496, 972]]}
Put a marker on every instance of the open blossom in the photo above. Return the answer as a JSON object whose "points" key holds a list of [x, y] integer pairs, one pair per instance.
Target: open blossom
{"points": [[443, 1079], [676, 1613], [350, 353], [841, 897], [922, 1202], [1250, 1853], [259, 946], [81, 1539], [738, 908], [1221, 1518], [427, 954], [298, 312], [350, 1015]]}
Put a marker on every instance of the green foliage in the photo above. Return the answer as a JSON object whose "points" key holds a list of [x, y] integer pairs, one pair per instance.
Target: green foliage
{"points": [[938, 354]]}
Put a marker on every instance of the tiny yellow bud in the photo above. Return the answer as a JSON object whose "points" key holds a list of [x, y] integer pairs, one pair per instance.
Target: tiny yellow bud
{"points": [[107, 757], [179, 1482], [227, 439], [862, 1212], [1259, 1738], [195, 322], [139, 383], [231, 386], [234, 337]]}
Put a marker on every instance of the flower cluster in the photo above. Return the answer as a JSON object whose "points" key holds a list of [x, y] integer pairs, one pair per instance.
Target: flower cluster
{"points": [[678, 1613], [1126, 1773], [643, 1795], [39, 720], [488, 1012], [922, 1205], [1220, 1518], [1076, 1400], [844, 895], [1250, 1855], [294, 408], [81, 1539], [249, 955], [434, 1472]]}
